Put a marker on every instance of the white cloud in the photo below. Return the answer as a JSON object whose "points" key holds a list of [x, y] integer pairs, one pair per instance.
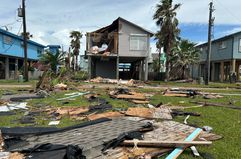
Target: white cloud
{"points": [[51, 21]]}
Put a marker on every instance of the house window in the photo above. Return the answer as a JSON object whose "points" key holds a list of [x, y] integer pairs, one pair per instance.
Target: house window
{"points": [[138, 42], [39, 52], [222, 45], [7, 40], [239, 46]]}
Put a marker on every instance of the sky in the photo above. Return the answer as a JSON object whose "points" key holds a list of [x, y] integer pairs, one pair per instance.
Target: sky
{"points": [[51, 21]]}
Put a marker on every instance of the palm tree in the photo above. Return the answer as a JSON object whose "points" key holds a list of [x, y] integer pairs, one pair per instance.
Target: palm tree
{"points": [[75, 45], [187, 54], [52, 59], [165, 17]]}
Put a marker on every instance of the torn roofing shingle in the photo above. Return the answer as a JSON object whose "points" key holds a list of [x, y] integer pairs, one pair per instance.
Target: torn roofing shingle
{"points": [[90, 138]]}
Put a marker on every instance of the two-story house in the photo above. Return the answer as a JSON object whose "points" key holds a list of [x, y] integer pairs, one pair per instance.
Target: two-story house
{"points": [[225, 58], [118, 51]]}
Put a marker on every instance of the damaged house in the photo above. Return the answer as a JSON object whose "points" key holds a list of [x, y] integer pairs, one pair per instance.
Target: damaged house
{"points": [[118, 51]]}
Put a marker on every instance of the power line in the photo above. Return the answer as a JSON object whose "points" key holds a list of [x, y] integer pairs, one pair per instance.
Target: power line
{"points": [[229, 11]]}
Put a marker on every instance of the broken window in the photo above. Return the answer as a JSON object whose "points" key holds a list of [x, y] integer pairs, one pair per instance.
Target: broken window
{"points": [[138, 42], [222, 45], [7, 40]]}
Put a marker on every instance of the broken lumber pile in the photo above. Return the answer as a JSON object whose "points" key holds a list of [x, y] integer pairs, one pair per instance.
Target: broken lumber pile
{"points": [[130, 82], [126, 94], [150, 113], [177, 92]]}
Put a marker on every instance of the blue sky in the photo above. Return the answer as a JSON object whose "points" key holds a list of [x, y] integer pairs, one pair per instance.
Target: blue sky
{"points": [[50, 21]]}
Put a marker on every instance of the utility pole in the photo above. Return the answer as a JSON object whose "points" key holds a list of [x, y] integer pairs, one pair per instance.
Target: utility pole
{"points": [[25, 42], [209, 50]]}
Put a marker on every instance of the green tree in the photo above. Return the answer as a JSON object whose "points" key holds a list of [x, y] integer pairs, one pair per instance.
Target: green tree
{"points": [[52, 59], [75, 45], [168, 35], [187, 54]]}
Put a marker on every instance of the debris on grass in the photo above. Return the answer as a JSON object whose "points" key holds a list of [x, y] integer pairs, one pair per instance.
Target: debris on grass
{"points": [[73, 95], [177, 92], [150, 113], [126, 94], [13, 106], [130, 82], [61, 86], [54, 123], [104, 115]]}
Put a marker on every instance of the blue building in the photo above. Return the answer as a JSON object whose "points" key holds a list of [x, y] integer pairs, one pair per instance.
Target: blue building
{"points": [[225, 58], [12, 54], [53, 48]]}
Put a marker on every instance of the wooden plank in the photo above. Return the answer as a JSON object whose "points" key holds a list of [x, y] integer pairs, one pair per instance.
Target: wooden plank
{"points": [[175, 95], [127, 96], [175, 153], [140, 101], [165, 143]]}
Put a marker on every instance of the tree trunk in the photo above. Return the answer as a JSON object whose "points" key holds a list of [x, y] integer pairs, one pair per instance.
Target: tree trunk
{"points": [[168, 54], [183, 72], [159, 61], [76, 63], [72, 62]]}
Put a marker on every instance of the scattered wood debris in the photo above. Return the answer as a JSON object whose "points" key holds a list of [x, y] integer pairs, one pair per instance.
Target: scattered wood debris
{"points": [[212, 96], [150, 113], [104, 115], [130, 82], [126, 94], [73, 112], [61, 86], [16, 155], [140, 101], [177, 92]]}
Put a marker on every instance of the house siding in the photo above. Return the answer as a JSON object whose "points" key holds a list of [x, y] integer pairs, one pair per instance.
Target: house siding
{"points": [[124, 40], [236, 52], [14, 48], [218, 54]]}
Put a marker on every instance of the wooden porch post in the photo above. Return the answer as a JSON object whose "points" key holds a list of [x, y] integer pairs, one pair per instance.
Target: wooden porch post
{"points": [[234, 65], [117, 68], [146, 69], [16, 68], [6, 68], [213, 71], [237, 69], [140, 70], [222, 71], [89, 67]]}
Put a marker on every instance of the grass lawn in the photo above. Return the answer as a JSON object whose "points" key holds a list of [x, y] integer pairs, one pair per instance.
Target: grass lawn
{"points": [[224, 121]]}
